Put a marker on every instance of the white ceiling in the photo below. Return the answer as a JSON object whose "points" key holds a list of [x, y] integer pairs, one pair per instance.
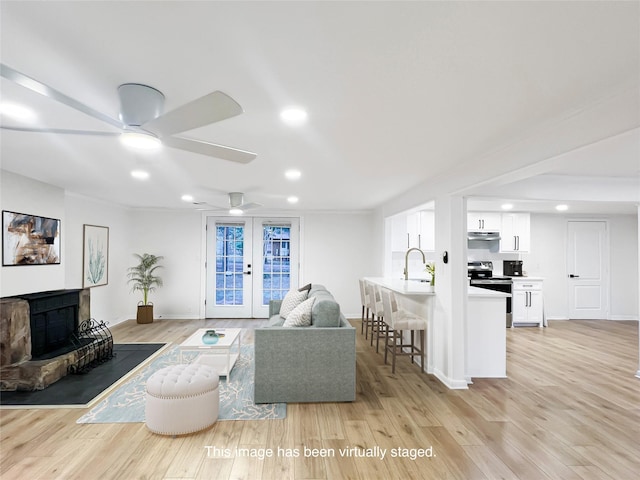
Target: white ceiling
{"points": [[397, 92]]}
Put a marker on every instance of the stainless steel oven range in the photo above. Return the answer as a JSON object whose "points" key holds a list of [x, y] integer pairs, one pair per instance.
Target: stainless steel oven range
{"points": [[481, 276]]}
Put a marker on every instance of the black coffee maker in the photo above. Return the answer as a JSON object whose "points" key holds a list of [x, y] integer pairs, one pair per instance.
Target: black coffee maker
{"points": [[512, 268]]}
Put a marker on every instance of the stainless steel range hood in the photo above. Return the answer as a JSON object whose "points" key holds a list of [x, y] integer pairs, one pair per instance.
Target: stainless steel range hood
{"points": [[483, 236]]}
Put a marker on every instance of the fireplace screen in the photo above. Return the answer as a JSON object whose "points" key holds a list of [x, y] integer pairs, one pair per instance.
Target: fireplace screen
{"points": [[29, 239]]}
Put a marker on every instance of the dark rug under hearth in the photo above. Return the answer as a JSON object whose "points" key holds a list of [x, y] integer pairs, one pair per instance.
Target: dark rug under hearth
{"points": [[80, 390]]}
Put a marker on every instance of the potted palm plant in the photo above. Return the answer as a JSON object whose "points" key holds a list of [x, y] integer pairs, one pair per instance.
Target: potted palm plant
{"points": [[144, 279]]}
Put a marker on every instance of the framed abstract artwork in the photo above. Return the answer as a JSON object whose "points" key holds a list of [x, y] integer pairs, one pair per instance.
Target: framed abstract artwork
{"points": [[29, 239], [95, 254]]}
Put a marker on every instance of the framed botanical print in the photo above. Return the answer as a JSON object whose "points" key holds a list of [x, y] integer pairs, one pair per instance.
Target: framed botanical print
{"points": [[95, 254]]}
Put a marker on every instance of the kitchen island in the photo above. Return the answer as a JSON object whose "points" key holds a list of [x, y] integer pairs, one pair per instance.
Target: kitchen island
{"points": [[485, 348]]}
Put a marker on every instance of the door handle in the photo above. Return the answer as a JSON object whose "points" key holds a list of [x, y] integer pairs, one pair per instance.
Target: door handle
{"points": [[571, 275], [247, 273]]}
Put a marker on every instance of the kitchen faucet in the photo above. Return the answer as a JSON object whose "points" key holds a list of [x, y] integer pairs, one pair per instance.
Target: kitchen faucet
{"points": [[406, 261]]}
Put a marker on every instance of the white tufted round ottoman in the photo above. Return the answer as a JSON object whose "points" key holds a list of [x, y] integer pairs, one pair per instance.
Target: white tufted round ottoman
{"points": [[182, 399]]}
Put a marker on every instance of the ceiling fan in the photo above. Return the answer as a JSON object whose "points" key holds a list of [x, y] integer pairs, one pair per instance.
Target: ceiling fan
{"points": [[236, 204], [142, 117]]}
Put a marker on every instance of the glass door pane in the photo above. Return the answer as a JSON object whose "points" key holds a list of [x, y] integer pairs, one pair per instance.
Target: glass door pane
{"points": [[276, 268], [229, 257], [229, 263], [276, 262]]}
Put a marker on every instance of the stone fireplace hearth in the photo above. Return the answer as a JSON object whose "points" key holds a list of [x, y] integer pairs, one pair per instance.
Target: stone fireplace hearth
{"points": [[36, 337]]}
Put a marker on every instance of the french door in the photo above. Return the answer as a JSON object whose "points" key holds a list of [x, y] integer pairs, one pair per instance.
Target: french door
{"points": [[588, 266], [250, 261]]}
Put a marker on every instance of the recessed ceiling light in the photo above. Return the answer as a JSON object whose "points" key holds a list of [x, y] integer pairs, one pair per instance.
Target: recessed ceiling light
{"points": [[293, 174], [17, 112], [562, 208], [293, 116], [187, 198], [292, 199], [140, 174], [140, 140], [235, 211], [507, 206]]}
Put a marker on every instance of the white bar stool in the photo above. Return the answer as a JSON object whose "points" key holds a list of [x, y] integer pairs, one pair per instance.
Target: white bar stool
{"points": [[397, 321], [364, 299]]}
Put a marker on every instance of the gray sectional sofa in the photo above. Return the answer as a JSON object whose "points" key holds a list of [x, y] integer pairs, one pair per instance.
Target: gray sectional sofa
{"points": [[306, 364]]}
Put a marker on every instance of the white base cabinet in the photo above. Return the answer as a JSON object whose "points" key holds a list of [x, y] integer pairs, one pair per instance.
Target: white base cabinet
{"points": [[527, 305]]}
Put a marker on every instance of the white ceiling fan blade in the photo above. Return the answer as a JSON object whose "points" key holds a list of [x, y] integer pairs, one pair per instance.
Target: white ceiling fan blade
{"points": [[249, 206], [209, 149], [208, 206], [39, 87], [61, 130], [205, 110]]}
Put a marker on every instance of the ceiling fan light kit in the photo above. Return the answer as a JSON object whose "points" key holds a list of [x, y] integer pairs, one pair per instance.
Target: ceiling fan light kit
{"points": [[140, 140], [17, 112]]}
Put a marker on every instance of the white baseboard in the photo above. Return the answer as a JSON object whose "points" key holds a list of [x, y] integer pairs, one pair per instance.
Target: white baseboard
{"points": [[611, 317], [450, 383], [189, 316], [623, 317]]}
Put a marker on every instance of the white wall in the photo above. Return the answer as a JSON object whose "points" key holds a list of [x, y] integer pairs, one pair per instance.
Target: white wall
{"points": [[337, 250], [108, 302], [23, 195], [177, 236], [624, 267]]}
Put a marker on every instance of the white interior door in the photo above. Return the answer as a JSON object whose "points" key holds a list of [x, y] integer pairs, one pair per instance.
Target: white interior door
{"points": [[587, 269], [250, 261]]}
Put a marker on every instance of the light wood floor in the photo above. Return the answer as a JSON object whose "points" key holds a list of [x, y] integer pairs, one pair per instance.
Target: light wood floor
{"points": [[570, 409]]}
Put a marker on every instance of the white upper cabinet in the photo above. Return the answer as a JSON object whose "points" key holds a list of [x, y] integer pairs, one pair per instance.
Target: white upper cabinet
{"points": [[484, 221], [427, 231], [413, 230], [399, 235], [515, 234]]}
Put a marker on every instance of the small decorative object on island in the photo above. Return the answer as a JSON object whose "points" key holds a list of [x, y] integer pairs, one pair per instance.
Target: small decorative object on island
{"points": [[144, 279], [210, 337], [431, 270]]}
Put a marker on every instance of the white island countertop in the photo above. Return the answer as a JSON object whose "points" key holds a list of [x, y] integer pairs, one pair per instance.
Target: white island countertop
{"points": [[404, 287], [416, 287]]}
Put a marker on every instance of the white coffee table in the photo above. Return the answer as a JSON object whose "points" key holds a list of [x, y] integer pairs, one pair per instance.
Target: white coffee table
{"points": [[222, 355]]}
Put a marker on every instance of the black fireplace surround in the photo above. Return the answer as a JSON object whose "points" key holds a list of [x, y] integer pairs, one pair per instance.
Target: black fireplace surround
{"points": [[54, 322]]}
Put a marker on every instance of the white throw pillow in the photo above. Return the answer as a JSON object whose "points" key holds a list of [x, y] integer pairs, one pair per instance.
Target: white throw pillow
{"points": [[291, 300], [301, 315]]}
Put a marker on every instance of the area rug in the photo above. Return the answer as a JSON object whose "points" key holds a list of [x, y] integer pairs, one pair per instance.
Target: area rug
{"points": [[82, 390], [126, 404]]}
